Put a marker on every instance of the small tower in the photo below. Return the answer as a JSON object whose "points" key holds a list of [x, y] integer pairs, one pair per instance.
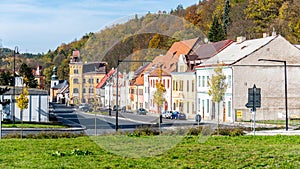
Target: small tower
{"points": [[54, 78]]}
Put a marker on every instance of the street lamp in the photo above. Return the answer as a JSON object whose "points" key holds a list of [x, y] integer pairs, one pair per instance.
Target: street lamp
{"points": [[285, 88], [16, 51]]}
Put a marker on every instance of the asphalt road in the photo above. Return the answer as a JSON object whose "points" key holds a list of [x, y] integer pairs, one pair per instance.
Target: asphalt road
{"points": [[97, 124]]}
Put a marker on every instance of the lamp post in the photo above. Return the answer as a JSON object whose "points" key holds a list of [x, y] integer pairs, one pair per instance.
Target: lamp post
{"points": [[285, 88], [16, 51]]}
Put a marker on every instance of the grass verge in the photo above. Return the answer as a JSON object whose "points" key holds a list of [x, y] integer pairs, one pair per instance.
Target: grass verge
{"points": [[216, 152]]}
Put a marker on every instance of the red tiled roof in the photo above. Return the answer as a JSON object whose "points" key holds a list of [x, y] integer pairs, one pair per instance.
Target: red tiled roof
{"points": [[155, 73], [168, 61], [104, 79]]}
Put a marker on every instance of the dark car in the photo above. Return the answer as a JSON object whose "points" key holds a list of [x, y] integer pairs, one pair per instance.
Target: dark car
{"points": [[85, 107], [141, 111], [115, 108], [178, 115]]}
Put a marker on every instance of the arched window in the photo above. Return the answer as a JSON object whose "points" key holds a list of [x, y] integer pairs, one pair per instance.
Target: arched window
{"points": [[75, 90], [75, 81]]}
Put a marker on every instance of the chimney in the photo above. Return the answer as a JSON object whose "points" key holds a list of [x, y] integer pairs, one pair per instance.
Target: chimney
{"points": [[265, 35], [240, 39], [273, 32]]}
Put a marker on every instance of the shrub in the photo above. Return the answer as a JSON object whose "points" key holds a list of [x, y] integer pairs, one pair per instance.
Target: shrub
{"points": [[231, 131], [195, 131]]}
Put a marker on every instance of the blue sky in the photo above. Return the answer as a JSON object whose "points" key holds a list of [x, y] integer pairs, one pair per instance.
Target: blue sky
{"points": [[39, 25]]}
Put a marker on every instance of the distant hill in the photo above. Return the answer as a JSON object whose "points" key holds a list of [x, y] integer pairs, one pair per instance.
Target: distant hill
{"points": [[144, 37]]}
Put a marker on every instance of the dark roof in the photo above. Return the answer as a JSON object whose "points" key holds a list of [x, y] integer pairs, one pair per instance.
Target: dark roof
{"points": [[61, 84], [96, 67], [205, 51], [32, 91]]}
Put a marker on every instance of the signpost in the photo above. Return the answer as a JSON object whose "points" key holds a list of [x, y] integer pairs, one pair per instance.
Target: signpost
{"points": [[254, 101]]}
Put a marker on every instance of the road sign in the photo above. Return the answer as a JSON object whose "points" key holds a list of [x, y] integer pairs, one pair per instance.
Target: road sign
{"points": [[254, 98]]}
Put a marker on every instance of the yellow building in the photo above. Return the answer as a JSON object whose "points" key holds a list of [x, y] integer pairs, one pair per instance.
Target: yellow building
{"points": [[84, 78]]}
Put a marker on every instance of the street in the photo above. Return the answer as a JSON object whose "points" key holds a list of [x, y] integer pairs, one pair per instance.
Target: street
{"points": [[98, 124]]}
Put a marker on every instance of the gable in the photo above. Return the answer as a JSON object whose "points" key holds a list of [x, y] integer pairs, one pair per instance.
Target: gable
{"points": [[277, 49]]}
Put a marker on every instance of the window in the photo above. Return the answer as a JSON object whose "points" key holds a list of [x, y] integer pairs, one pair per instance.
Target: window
{"points": [[199, 81], [75, 90], [140, 91], [173, 85], [83, 90], [207, 106], [207, 80], [91, 90], [91, 80], [202, 106], [199, 102], [145, 89], [75, 81], [203, 81], [97, 80], [229, 109], [229, 81], [168, 83], [188, 107], [187, 86], [75, 71], [83, 81], [193, 85]]}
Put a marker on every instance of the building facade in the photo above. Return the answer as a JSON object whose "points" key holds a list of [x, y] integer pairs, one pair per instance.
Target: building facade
{"points": [[84, 78]]}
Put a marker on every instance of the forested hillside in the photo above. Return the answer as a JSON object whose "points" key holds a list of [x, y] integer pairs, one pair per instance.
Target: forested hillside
{"points": [[144, 37]]}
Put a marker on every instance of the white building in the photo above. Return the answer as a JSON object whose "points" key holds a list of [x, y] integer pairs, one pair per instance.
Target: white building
{"points": [[243, 70], [37, 110]]}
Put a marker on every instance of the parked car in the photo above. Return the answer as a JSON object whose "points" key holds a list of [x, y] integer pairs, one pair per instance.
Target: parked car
{"points": [[115, 108], [85, 107], [141, 111], [178, 115], [166, 114]]}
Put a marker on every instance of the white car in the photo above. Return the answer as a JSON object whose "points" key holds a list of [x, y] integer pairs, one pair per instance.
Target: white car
{"points": [[167, 114]]}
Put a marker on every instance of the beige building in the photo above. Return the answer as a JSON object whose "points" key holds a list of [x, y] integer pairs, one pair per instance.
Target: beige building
{"points": [[84, 78]]}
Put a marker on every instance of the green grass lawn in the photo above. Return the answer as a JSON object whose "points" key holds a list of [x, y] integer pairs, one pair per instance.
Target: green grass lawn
{"points": [[32, 125], [216, 152]]}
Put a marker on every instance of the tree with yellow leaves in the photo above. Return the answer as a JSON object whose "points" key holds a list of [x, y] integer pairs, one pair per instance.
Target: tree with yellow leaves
{"points": [[22, 102], [160, 90]]}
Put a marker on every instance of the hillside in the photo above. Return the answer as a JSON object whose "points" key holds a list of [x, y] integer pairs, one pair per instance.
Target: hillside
{"points": [[144, 37]]}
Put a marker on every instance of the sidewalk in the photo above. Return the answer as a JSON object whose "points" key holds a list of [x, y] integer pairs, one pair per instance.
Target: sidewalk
{"points": [[290, 132]]}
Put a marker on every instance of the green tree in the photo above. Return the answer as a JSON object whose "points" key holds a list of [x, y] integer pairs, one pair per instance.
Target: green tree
{"points": [[216, 32], [226, 17], [26, 72], [217, 87], [6, 78]]}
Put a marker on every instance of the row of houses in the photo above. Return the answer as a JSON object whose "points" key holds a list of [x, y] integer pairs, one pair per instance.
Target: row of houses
{"points": [[186, 69]]}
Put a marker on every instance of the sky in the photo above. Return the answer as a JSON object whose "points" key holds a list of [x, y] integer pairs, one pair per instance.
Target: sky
{"points": [[35, 26]]}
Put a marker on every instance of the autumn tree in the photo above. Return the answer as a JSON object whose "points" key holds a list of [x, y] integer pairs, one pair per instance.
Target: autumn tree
{"points": [[216, 32], [22, 101], [160, 91], [217, 87], [262, 13]]}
